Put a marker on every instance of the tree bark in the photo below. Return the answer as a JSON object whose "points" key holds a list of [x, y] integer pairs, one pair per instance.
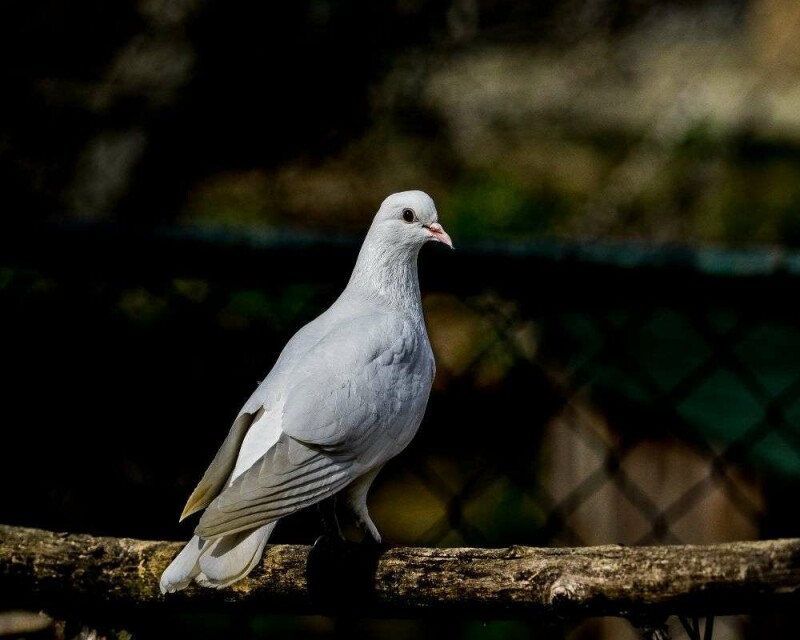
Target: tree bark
{"points": [[66, 571]]}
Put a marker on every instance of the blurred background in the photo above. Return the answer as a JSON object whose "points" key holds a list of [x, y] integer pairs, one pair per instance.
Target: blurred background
{"points": [[186, 182]]}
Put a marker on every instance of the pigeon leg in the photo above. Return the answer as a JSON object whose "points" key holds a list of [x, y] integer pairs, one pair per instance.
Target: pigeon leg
{"points": [[330, 522], [356, 499], [366, 524]]}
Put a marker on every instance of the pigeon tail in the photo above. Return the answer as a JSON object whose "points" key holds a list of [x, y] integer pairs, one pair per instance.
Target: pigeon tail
{"points": [[232, 557], [216, 563], [184, 567]]}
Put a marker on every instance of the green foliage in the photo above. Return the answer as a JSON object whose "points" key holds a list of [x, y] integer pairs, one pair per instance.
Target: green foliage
{"points": [[486, 205]]}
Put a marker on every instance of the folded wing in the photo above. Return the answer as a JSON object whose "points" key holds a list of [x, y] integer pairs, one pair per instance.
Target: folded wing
{"points": [[287, 478], [350, 403]]}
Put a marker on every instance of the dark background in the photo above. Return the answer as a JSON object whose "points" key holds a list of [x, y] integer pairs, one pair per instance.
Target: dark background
{"points": [[186, 183]]}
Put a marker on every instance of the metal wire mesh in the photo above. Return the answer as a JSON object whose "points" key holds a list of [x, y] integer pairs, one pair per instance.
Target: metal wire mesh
{"points": [[581, 397], [663, 424]]}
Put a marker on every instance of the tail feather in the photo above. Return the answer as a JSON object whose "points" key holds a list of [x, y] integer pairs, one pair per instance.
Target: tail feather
{"points": [[216, 563], [184, 567], [232, 557]]}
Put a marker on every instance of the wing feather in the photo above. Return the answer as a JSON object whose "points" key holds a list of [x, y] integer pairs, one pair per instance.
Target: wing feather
{"points": [[289, 477], [218, 472], [351, 401], [351, 382]]}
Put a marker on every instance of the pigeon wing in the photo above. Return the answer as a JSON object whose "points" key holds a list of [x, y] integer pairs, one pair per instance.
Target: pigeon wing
{"points": [[360, 377], [218, 472], [365, 376], [287, 478]]}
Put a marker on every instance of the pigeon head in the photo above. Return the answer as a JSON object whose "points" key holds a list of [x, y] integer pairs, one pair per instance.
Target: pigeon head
{"points": [[386, 268], [409, 219]]}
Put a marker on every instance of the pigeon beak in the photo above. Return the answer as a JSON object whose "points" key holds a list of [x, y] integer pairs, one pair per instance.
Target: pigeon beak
{"points": [[439, 234]]}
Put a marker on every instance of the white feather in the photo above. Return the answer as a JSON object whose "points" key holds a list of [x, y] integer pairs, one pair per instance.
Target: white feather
{"points": [[184, 567], [262, 435], [231, 558], [346, 394]]}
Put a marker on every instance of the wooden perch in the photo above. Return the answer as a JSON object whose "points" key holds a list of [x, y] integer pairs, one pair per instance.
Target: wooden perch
{"points": [[58, 571]]}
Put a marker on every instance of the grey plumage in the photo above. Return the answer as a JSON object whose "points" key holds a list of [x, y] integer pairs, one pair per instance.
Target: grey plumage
{"points": [[346, 394]]}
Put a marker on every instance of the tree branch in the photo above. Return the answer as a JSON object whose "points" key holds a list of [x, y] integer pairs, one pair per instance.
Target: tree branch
{"points": [[54, 571]]}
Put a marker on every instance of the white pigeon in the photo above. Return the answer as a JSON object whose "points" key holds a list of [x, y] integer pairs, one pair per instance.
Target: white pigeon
{"points": [[346, 395]]}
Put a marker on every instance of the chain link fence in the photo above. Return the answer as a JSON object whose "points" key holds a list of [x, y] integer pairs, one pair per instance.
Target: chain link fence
{"points": [[585, 394]]}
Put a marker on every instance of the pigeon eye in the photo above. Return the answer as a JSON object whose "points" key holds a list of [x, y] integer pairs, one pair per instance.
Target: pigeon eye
{"points": [[408, 215]]}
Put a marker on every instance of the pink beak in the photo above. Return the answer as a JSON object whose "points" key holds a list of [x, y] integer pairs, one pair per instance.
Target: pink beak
{"points": [[439, 234]]}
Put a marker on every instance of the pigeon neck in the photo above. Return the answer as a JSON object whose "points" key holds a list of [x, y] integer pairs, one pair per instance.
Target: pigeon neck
{"points": [[387, 273]]}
